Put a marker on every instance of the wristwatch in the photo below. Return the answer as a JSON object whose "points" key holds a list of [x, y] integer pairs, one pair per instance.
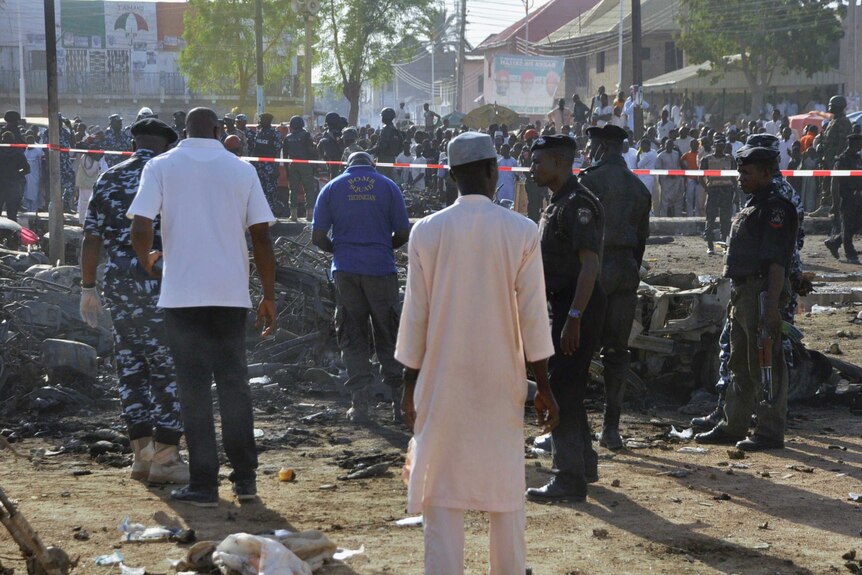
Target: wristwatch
{"points": [[575, 313]]}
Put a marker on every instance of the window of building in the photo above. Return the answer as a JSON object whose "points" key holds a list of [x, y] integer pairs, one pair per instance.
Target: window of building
{"points": [[672, 57], [646, 53], [481, 83], [37, 60], [600, 62]]}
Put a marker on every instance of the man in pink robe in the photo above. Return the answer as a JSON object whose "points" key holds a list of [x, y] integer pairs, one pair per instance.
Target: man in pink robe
{"points": [[475, 312]]}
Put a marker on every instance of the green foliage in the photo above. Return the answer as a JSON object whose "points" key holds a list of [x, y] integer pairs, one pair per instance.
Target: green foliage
{"points": [[360, 39], [759, 37], [219, 56]]}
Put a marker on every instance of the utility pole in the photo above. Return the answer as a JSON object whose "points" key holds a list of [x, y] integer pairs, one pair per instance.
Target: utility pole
{"points": [[309, 88], [637, 67], [459, 85], [22, 89], [527, 5], [56, 247], [258, 37], [620, 53]]}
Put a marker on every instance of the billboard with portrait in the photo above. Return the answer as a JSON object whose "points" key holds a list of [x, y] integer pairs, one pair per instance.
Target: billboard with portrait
{"points": [[525, 84]]}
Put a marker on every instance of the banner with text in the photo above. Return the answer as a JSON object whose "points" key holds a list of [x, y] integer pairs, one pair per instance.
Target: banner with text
{"points": [[525, 84]]}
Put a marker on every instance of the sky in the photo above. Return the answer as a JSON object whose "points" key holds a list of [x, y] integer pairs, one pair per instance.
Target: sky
{"points": [[485, 17]]}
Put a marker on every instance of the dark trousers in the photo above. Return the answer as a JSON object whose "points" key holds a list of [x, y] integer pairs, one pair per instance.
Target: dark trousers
{"points": [[620, 280], [851, 221], [209, 343], [11, 194], [574, 456], [301, 176], [719, 204], [362, 299]]}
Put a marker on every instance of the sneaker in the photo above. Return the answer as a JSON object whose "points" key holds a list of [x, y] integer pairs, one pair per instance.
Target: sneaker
{"points": [[245, 489], [196, 497]]}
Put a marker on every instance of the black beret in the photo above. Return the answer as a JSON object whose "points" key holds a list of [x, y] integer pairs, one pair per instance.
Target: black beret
{"points": [[607, 132], [758, 148], [551, 142], [265, 117], [11, 116], [154, 127]]}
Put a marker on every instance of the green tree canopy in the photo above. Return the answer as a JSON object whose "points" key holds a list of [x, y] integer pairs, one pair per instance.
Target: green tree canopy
{"points": [[361, 39], [219, 56], [759, 37]]}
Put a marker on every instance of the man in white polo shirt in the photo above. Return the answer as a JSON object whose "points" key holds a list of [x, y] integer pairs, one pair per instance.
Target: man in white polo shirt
{"points": [[207, 198]]}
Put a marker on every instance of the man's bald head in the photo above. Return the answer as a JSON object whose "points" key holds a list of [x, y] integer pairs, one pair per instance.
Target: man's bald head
{"points": [[202, 123]]}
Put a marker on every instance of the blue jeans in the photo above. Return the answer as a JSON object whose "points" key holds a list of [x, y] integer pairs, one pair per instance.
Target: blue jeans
{"points": [[209, 343]]}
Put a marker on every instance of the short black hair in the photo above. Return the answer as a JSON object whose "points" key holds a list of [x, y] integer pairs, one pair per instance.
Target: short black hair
{"points": [[474, 175]]}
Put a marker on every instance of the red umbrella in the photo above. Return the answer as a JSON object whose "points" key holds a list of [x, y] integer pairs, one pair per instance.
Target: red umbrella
{"points": [[798, 122]]}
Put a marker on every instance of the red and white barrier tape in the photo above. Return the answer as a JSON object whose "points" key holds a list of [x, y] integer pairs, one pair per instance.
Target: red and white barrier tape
{"points": [[689, 173]]}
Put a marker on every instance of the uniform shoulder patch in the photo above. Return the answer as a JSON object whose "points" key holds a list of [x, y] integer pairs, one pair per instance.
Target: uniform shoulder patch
{"points": [[776, 218], [585, 216]]}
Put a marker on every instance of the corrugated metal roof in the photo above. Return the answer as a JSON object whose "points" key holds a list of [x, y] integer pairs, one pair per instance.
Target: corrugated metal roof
{"points": [[543, 22], [604, 18], [691, 78]]}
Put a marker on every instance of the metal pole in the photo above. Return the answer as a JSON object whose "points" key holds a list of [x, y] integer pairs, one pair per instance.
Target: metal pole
{"points": [[309, 87], [258, 36], [637, 67], [620, 52], [22, 90], [56, 248], [461, 57], [527, 27]]}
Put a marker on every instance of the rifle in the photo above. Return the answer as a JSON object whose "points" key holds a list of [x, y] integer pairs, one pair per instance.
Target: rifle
{"points": [[764, 352], [41, 560]]}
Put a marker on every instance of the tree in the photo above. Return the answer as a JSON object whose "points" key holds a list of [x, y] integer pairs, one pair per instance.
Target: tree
{"points": [[360, 41], [219, 55], [759, 38], [440, 32]]}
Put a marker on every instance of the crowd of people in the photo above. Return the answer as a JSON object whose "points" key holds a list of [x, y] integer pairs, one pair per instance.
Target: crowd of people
{"points": [[490, 294]]}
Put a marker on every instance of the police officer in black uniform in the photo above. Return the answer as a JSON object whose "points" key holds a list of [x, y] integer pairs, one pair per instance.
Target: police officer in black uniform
{"points": [[759, 260], [298, 145], [571, 230], [180, 124], [849, 191], [267, 144], [390, 143], [330, 147], [627, 205]]}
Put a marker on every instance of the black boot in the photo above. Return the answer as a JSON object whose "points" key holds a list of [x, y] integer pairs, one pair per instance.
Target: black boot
{"points": [[712, 419], [557, 489], [610, 438]]}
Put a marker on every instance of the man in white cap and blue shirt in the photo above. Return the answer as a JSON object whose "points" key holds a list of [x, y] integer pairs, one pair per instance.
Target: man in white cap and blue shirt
{"points": [[474, 315]]}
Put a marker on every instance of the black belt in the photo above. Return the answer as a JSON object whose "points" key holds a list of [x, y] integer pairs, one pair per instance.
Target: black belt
{"points": [[747, 279]]}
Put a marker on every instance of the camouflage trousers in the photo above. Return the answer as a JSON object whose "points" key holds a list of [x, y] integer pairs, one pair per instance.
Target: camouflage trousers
{"points": [[268, 174], [147, 382]]}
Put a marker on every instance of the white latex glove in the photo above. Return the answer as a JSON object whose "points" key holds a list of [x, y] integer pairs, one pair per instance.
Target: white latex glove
{"points": [[91, 306]]}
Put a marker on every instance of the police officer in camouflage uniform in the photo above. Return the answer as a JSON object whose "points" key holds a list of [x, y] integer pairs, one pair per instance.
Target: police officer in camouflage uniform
{"points": [[115, 140], [759, 260], [67, 171], [626, 202], [330, 146], [571, 232], [799, 285], [298, 145], [147, 383], [241, 121], [230, 129], [267, 144]]}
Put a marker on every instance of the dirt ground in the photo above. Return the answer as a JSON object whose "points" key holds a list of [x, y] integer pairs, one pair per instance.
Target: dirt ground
{"points": [[654, 510]]}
